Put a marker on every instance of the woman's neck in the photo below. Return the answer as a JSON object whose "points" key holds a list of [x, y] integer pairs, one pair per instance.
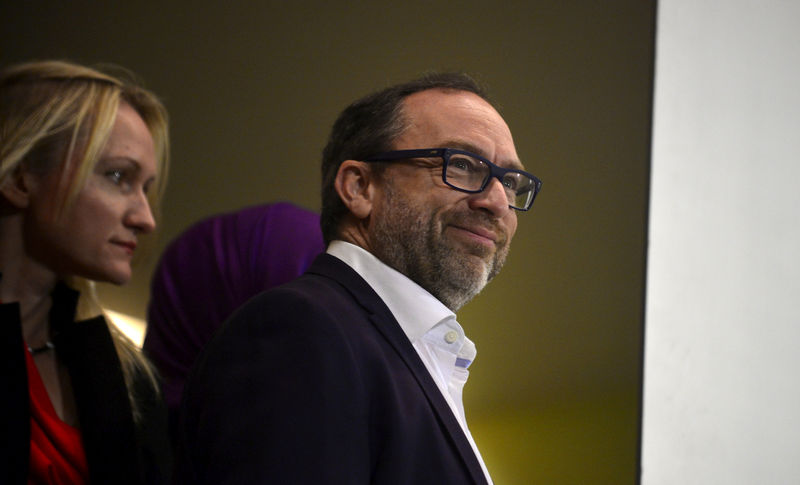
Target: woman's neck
{"points": [[26, 281]]}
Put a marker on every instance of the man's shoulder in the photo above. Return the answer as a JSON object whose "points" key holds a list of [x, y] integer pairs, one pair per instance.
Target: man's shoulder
{"points": [[314, 311], [329, 303], [328, 278], [303, 293], [330, 290]]}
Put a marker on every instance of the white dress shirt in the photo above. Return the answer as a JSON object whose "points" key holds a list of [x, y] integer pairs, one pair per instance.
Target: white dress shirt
{"points": [[429, 325]]}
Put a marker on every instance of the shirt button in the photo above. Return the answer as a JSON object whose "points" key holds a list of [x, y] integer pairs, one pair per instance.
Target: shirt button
{"points": [[451, 336]]}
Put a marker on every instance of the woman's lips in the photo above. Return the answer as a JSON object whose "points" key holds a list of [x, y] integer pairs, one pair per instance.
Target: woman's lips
{"points": [[129, 246]]}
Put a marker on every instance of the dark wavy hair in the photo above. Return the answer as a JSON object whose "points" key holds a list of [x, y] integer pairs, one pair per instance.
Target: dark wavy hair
{"points": [[369, 126]]}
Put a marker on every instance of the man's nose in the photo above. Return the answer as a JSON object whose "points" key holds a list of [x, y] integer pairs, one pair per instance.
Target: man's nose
{"points": [[493, 198]]}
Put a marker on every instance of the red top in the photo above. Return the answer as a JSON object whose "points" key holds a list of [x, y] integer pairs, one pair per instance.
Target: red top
{"points": [[57, 456]]}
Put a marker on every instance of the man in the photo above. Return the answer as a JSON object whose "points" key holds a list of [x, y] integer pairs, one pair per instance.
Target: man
{"points": [[352, 374]]}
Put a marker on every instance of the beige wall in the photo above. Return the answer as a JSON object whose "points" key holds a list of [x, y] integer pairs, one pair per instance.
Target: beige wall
{"points": [[252, 90]]}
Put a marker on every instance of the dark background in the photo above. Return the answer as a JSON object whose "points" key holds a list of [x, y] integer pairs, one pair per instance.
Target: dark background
{"points": [[253, 88]]}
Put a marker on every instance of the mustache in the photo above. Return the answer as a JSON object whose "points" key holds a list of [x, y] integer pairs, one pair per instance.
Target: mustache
{"points": [[482, 220]]}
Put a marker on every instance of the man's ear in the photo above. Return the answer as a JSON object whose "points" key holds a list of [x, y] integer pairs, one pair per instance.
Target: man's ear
{"points": [[356, 186], [18, 188]]}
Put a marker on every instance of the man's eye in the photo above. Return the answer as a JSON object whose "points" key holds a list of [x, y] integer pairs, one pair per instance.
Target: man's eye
{"points": [[464, 164], [513, 181]]}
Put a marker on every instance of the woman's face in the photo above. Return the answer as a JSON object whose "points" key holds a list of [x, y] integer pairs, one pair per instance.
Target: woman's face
{"points": [[97, 236]]}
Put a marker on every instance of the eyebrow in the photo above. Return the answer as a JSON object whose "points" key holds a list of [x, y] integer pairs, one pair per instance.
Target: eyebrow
{"points": [[121, 158], [469, 147]]}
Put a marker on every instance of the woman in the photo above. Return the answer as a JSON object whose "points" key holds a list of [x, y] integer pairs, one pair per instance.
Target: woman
{"points": [[83, 159]]}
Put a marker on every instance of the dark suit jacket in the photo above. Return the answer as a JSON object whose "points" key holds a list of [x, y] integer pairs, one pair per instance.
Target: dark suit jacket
{"points": [[315, 382], [117, 450]]}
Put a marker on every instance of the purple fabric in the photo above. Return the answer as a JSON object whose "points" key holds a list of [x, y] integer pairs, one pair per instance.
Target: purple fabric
{"points": [[212, 269]]}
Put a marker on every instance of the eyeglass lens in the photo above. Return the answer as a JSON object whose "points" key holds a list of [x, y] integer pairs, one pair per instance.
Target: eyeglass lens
{"points": [[470, 173]]}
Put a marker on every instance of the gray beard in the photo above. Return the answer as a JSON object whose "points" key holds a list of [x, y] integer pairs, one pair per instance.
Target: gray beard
{"points": [[410, 240]]}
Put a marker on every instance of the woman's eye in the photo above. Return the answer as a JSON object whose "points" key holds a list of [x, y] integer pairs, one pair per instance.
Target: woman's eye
{"points": [[115, 176]]}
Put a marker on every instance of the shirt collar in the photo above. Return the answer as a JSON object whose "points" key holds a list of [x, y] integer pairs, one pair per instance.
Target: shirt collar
{"points": [[416, 310]]}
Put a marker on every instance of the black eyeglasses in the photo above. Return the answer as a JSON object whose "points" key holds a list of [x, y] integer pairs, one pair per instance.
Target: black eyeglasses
{"points": [[471, 173]]}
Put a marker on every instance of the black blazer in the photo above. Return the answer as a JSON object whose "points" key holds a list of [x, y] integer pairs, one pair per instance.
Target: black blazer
{"points": [[117, 451], [314, 382]]}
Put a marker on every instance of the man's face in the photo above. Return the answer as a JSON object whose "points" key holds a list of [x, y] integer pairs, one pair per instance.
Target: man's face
{"points": [[449, 242]]}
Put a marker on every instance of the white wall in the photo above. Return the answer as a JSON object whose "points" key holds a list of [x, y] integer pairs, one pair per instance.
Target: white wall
{"points": [[722, 351]]}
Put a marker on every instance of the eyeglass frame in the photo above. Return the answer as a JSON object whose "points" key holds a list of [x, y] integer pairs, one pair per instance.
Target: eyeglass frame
{"points": [[495, 171]]}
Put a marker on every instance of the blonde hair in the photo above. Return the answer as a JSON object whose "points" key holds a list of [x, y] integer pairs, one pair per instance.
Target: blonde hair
{"points": [[57, 116]]}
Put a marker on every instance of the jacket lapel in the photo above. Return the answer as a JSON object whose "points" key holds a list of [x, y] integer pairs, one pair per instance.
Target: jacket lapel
{"points": [[104, 410], [15, 434], [386, 324]]}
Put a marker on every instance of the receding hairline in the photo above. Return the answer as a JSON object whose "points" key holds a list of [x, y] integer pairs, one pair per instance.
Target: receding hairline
{"points": [[457, 142], [402, 119]]}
